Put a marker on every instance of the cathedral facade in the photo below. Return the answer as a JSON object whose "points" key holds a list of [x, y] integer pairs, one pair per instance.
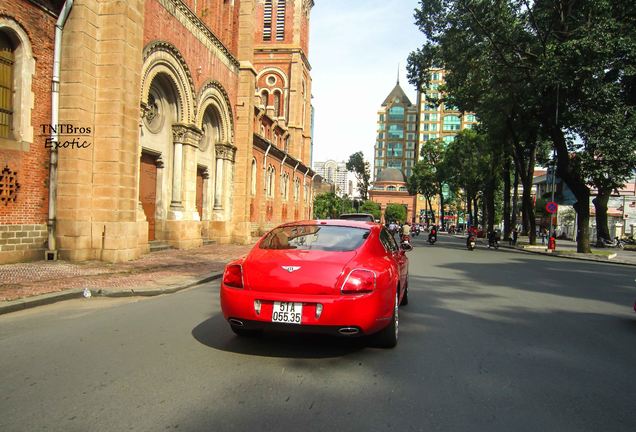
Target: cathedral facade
{"points": [[172, 121]]}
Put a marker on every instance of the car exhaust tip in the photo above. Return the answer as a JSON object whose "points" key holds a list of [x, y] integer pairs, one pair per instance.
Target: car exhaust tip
{"points": [[235, 322], [348, 331]]}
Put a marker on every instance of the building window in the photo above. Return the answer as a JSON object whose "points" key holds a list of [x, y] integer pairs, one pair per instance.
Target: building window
{"points": [[271, 173], [396, 113], [284, 186], [267, 20], [470, 118], [280, 20], [7, 60], [296, 189], [253, 186], [449, 139], [396, 131], [264, 97], [390, 188], [277, 110], [452, 123]]}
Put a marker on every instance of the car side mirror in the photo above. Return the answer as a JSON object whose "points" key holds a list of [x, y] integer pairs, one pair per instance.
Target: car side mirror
{"points": [[406, 246]]}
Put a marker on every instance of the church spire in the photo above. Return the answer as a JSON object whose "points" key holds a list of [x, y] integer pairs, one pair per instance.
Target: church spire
{"points": [[398, 74]]}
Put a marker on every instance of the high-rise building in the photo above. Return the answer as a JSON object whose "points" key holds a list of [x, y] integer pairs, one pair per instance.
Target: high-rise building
{"points": [[336, 173], [440, 120], [395, 145]]}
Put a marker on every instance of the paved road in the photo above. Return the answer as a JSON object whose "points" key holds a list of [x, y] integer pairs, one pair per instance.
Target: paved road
{"points": [[491, 340]]}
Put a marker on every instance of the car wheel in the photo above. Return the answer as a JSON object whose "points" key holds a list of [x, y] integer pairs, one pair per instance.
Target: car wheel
{"points": [[245, 332], [405, 297], [388, 337]]}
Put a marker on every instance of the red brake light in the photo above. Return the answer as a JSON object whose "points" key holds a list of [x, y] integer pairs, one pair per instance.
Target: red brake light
{"points": [[359, 282], [233, 276]]}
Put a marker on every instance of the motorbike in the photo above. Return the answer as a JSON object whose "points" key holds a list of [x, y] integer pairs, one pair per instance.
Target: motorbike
{"points": [[432, 236], [470, 242], [616, 243], [405, 238]]}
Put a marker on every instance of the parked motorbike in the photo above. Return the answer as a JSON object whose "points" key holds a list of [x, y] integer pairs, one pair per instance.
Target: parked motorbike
{"points": [[616, 243], [470, 242]]}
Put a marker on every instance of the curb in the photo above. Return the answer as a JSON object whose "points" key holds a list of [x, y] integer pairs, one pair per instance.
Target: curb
{"points": [[46, 299]]}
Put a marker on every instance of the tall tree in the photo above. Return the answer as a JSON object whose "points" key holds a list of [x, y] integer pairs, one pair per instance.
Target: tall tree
{"points": [[360, 168]]}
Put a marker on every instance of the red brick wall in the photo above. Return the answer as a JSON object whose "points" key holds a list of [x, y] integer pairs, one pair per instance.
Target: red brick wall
{"points": [[161, 25], [31, 206]]}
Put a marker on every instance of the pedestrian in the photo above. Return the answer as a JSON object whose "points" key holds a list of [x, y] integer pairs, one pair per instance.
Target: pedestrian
{"points": [[543, 235], [515, 234]]}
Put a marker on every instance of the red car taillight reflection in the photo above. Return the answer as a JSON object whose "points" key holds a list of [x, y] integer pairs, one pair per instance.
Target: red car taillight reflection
{"points": [[233, 276], [359, 282]]}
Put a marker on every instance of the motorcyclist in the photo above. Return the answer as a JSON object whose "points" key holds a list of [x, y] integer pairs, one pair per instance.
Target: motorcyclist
{"points": [[492, 238], [406, 232], [432, 235], [472, 234]]}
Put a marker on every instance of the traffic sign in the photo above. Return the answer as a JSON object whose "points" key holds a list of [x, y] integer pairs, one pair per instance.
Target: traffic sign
{"points": [[551, 207]]}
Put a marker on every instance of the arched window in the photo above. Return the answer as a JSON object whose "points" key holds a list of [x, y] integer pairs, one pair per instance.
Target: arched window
{"points": [[264, 97], [296, 189], [7, 60], [277, 110], [253, 185], [267, 20], [280, 20], [271, 173], [391, 188], [284, 186]]}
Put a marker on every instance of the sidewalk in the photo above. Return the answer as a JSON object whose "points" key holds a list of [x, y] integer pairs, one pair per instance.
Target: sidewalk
{"points": [[26, 285], [567, 249]]}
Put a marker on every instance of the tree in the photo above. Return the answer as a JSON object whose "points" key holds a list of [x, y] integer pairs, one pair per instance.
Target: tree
{"points": [[422, 181], [547, 63], [371, 208], [327, 206], [395, 212], [360, 168], [432, 154]]}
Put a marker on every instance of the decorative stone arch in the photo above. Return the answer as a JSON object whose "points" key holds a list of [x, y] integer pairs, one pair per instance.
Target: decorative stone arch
{"points": [[275, 71], [212, 94], [23, 97], [162, 58]]}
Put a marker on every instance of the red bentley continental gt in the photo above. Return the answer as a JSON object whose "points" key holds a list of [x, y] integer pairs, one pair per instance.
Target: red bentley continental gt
{"points": [[342, 277]]}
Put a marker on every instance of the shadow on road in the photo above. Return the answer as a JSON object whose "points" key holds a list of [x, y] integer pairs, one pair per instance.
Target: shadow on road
{"points": [[215, 333]]}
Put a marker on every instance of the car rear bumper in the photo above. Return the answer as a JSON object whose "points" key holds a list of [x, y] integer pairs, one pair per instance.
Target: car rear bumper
{"points": [[347, 315]]}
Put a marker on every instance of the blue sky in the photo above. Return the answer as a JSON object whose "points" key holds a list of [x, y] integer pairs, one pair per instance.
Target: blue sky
{"points": [[354, 50]]}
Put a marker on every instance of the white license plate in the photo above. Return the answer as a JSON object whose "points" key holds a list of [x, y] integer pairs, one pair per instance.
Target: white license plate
{"points": [[287, 312]]}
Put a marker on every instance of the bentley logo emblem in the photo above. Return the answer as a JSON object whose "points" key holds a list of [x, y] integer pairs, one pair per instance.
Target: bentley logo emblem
{"points": [[290, 268]]}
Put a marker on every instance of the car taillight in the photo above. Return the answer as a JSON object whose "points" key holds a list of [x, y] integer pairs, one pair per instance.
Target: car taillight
{"points": [[233, 276], [359, 282]]}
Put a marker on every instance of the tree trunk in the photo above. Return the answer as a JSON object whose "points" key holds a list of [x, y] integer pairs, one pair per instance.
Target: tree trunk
{"points": [[476, 212], [429, 212], [441, 211], [600, 205], [568, 171], [515, 199], [506, 199]]}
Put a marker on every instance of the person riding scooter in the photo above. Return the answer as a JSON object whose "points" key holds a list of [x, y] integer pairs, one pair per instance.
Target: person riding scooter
{"points": [[406, 233], [470, 240], [432, 235]]}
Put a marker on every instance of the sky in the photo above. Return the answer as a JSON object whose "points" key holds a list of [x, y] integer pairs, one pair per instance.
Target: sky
{"points": [[355, 47]]}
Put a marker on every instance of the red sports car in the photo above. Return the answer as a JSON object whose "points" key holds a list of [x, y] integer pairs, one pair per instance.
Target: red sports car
{"points": [[342, 277]]}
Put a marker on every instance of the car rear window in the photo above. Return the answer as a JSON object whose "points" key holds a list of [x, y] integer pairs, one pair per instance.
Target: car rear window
{"points": [[315, 237]]}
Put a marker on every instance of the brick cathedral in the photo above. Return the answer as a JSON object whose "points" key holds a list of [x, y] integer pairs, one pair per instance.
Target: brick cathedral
{"points": [[123, 123]]}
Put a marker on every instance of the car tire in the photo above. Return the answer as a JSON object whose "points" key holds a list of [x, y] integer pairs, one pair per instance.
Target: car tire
{"points": [[405, 297], [241, 332], [388, 336]]}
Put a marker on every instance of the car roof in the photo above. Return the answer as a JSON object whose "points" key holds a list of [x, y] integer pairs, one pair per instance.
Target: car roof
{"points": [[332, 222]]}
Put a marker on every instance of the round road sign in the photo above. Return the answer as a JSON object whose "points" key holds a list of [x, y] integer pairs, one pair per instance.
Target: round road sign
{"points": [[551, 207]]}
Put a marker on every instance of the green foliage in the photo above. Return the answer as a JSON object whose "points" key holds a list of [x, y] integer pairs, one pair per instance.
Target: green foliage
{"points": [[327, 206], [395, 212], [360, 168], [371, 208]]}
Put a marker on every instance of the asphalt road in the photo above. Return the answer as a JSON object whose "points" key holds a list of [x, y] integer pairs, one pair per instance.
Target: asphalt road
{"points": [[490, 341]]}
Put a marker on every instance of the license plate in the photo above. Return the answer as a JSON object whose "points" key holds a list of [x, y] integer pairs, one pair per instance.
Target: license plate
{"points": [[287, 312]]}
